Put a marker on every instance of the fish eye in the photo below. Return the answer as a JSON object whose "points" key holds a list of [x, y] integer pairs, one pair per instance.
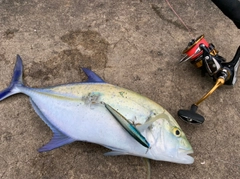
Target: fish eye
{"points": [[176, 132]]}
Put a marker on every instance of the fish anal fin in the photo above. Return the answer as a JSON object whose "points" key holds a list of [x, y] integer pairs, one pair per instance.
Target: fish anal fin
{"points": [[57, 140]]}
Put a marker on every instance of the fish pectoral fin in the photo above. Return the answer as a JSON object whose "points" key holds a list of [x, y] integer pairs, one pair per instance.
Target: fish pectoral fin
{"points": [[143, 127], [58, 140]]}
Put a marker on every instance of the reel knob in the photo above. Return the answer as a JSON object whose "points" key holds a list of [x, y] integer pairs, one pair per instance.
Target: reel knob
{"points": [[191, 116]]}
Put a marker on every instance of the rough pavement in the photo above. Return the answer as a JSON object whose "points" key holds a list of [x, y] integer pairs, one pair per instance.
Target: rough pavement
{"points": [[134, 44]]}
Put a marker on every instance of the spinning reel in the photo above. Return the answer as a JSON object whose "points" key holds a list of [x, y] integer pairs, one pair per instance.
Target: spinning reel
{"points": [[204, 56]]}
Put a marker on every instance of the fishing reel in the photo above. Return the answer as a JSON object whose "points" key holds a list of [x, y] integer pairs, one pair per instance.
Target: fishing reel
{"points": [[205, 57]]}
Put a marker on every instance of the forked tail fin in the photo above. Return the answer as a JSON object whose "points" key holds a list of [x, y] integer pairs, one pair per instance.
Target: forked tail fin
{"points": [[15, 82]]}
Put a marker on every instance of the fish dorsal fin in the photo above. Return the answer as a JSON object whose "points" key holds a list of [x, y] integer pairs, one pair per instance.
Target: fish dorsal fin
{"points": [[92, 77], [149, 122], [59, 139]]}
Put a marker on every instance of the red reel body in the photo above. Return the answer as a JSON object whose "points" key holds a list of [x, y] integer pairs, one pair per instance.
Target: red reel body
{"points": [[192, 50]]}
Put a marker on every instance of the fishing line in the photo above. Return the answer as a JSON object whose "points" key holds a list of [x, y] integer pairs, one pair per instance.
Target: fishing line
{"points": [[184, 24], [147, 162]]}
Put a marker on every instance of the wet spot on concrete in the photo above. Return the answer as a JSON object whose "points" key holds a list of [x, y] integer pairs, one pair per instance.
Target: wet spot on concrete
{"points": [[3, 62], [65, 67], [7, 136], [9, 33], [91, 43], [87, 49], [156, 54], [2, 57], [136, 77], [12, 2]]}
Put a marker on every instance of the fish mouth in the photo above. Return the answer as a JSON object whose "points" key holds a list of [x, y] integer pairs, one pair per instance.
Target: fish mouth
{"points": [[185, 157], [184, 151]]}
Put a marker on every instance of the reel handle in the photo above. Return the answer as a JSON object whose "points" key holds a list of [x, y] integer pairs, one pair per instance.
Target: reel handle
{"points": [[220, 81], [191, 116]]}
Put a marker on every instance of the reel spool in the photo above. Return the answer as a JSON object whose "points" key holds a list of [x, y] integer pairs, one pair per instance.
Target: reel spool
{"points": [[205, 57]]}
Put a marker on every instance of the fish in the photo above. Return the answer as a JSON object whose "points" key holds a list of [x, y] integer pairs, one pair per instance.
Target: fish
{"points": [[78, 112]]}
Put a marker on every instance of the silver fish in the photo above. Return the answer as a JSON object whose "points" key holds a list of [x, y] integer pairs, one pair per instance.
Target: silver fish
{"points": [[76, 112]]}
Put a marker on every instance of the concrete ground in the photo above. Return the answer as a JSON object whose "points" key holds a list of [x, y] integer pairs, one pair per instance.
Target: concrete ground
{"points": [[134, 44]]}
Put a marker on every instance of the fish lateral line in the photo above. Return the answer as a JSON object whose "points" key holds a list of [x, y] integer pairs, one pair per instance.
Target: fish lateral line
{"points": [[130, 128]]}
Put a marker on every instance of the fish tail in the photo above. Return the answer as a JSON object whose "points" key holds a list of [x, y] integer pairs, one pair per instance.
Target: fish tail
{"points": [[15, 82]]}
